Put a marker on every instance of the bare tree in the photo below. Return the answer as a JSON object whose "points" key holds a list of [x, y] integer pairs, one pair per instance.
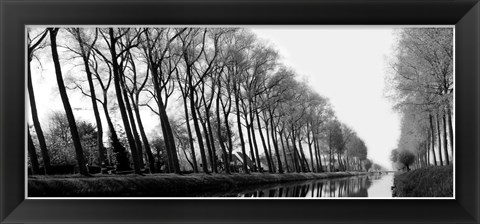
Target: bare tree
{"points": [[34, 44], [66, 103], [85, 50], [113, 42], [156, 48]]}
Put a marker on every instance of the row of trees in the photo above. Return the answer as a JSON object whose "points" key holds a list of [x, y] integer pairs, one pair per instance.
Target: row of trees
{"points": [[422, 89], [232, 94], [59, 142]]}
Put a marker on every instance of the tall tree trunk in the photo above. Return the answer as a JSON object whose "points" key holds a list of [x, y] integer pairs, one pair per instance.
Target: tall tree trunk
{"points": [[146, 144], [303, 159], [250, 144], [275, 143], [330, 164], [254, 139], [439, 140], [32, 153], [249, 137], [102, 152], [166, 127], [269, 162], [36, 123], [229, 132], [300, 160], [319, 155], [284, 152], [169, 135], [197, 126], [240, 132], [207, 140], [120, 152], [189, 132], [255, 146], [347, 163], [295, 154], [340, 162], [229, 135], [273, 170], [203, 127], [450, 130], [169, 161], [138, 142], [277, 151], [445, 147], [292, 155], [310, 150], [66, 104], [432, 135], [214, 151], [219, 133], [121, 105]]}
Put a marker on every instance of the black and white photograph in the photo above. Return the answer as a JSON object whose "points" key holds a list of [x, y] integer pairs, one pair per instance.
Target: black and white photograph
{"points": [[240, 112]]}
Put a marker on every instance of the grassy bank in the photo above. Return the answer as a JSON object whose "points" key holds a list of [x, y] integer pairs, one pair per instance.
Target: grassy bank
{"points": [[159, 185], [425, 182]]}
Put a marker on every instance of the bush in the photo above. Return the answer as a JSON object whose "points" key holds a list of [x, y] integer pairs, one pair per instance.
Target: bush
{"points": [[425, 182]]}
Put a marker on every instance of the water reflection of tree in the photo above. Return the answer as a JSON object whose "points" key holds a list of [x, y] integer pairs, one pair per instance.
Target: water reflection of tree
{"points": [[345, 187]]}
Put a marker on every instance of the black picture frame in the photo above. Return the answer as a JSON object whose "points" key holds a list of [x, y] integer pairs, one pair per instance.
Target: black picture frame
{"points": [[464, 14]]}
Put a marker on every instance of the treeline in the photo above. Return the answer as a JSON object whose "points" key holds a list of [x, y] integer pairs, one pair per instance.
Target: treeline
{"points": [[225, 87], [422, 87]]}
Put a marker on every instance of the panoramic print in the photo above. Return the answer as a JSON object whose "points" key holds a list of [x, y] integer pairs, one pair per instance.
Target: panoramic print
{"points": [[240, 112]]}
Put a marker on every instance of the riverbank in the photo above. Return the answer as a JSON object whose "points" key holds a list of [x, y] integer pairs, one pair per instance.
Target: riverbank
{"points": [[434, 181], [160, 185]]}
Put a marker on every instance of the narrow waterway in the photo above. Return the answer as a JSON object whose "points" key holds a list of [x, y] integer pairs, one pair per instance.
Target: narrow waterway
{"points": [[371, 185]]}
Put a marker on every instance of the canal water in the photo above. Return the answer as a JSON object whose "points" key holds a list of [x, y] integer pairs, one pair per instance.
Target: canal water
{"points": [[371, 185]]}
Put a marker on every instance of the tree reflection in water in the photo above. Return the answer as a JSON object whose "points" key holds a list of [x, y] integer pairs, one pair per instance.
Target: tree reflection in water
{"points": [[342, 187]]}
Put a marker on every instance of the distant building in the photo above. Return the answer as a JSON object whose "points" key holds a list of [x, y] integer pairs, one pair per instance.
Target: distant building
{"points": [[237, 161]]}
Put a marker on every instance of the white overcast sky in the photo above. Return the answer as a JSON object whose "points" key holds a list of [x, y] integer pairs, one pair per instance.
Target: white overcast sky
{"points": [[347, 64]]}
